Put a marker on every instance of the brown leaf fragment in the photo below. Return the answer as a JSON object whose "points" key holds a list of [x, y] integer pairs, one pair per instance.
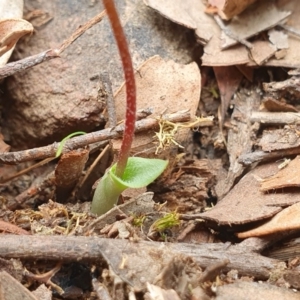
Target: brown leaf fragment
{"points": [[279, 39], [285, 220], [230, 8], [43, 293], [274, 105], [293, 278], [8, 227], [246, 203], [280, 54], [189, 13], [11, 30], [253, 290], [69, 169], [10, 288], [279, 139], [155, 292], [246, 71], [286, 177], [228, 79], [164, 86], [262, 51], [3, 146], [258, 18]]}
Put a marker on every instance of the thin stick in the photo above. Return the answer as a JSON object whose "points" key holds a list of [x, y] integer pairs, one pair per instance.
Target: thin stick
{"points": [[260, 156], [89, 138], [110, 103], [76, 248], [82, 29], [281, 118], [24, 171], [31, 61], [91, 168]]}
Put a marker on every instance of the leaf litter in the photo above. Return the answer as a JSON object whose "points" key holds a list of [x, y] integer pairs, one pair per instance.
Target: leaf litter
{"points": [[245, 198]]}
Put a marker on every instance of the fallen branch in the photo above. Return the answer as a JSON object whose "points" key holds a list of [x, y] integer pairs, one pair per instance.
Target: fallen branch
{"points": [[278, 118], [262, 156], [87, 139], [76, 248]]}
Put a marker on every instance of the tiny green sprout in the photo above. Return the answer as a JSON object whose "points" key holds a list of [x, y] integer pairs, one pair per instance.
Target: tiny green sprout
{"points": [[138, 221], [214, 92], [62, 143], [167, 221], [139, 172]]}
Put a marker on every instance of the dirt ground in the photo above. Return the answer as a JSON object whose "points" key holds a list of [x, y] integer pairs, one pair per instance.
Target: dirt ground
{"points": [[221, 222]]}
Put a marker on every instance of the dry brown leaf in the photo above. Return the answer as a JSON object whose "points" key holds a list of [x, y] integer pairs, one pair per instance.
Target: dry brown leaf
{"points": [[68, 171], [10, 288], [10, 9], [278, 139], [279, 39], [11, 30], [262, 51], [292, 57], [230, 8], [189, 13], [258, 18], [288, 219], [289, 176], [246, 203], [254, 290], [228, 79], [274, 105], [164, 87]]}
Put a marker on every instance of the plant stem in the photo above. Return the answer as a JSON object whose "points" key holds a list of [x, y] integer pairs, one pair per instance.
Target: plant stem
{"points": [[130, 86]]}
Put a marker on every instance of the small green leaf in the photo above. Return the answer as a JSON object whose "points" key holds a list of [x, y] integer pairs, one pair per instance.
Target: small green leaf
{"points": [[62, 143], [140, 171]]}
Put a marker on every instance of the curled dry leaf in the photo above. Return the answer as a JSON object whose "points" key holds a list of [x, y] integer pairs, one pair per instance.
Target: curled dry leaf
{"points": [[288, 219], [10, 10], [189, 13], [165, 87], [287, 177], [11, 30]]}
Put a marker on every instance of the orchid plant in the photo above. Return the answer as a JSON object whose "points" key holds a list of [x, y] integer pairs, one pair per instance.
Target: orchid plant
{"points": [[128, 172]]}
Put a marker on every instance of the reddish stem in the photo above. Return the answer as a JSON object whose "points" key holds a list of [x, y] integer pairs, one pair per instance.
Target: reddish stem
{"points": [[130, 86]]}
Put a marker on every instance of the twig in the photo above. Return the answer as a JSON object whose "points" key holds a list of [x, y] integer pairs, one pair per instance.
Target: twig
{"points": [[89, 138], [110, 103], [81, 141], [76, 248], [28, 62], [259, 156], [91, 168], [275, 117], [290, 29], [24, 171], [82, 29]]}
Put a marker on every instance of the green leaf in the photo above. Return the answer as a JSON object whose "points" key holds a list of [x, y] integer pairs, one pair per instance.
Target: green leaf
{"points": [[62, 143], [140, 171]]}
